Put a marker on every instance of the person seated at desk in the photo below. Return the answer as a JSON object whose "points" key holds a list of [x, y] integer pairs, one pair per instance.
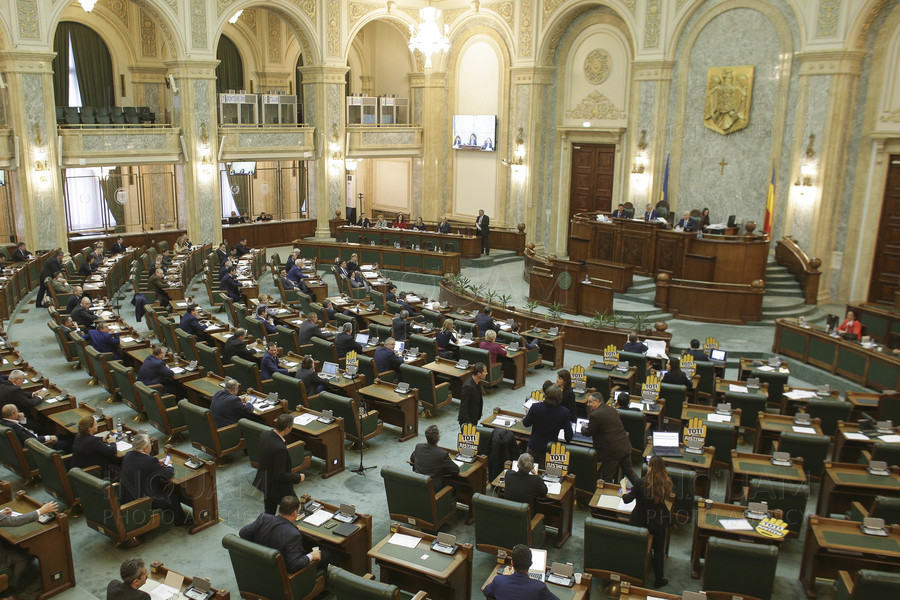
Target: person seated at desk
{"points": [[400, 326], [99, 254], [650, 213], [157, 284], [353, 263], [268, 323], [103, 341], [182, 244], [145, 475], [17, 561], [234, 218], [84, 317], [292, 260], [15, 419], [227, 407], [69, 326], [363, 221], [290, 284], [432, 460], [490, 344], [445, 338], [400, 222], [118, 247], [704, 219], [11, 392], [515, 584], [236, 345], [564, 382], [87, 267], [222, 253], [443, 226], [401, 300], [344, 341], [279, 533], [851, 328], [296, 273], [60, 286], [134, 575], [675, 375], [619, 213], [89, 450], [634, 345], [311, 380], [484, 321], [387, 360], [650, 511], [159, 263], [381, 221], [329, 310], [245, 217], [154, 371], [419, 224], [190, 321], [391, 295], [75, 299], [309, 329], [241, 249], [696, 352], [263, 217], [686, 223], [230, 285], [21, 253], [546, 419], [223, 269], [269, 364], [523, 485]]}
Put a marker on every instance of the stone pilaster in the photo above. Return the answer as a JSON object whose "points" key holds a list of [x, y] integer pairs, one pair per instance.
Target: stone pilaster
{"points": [[649, 105], [430, 101], [148, 89], [323, 96], [32, 118]]}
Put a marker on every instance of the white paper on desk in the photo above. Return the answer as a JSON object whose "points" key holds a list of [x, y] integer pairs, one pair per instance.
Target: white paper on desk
{"points": [[736, 524], [503, 421], [126, 339], [717, 418], [765, 368], [106, 314], [636, 405], [737, 388], [123, 446], [289, 363], [458, 463], [798, 429], [529, 403], [407, 541], [177, 370], [606, 501], [799, 394], [626, 506], [160, 591], [304, 419], [554, 488], [656, 348], [891, 439], [318, 517], [852, 435]]}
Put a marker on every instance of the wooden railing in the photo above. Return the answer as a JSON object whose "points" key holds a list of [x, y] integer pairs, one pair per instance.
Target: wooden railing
{"points": [[735, 303], [804, 269]]}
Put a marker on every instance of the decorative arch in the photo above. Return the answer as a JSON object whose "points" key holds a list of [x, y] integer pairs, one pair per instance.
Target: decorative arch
{"points": [[114, 33], [297, 20], [247, 45], [865, 18], [4, 34], [401, 20], [560, 21]]}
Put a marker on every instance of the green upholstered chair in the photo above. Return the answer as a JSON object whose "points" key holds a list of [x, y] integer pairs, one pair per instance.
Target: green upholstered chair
{"points": [[366, 366], [635, 359], [323, 351], [79, 345], [357, 428], [288, 388], [187, 345], [756, 575], [53, 469], [464, 327], [168, 331], [382, 332], [66, 346], [533, 356], [813, 449], [255, 328], [636, 425], [162, 410], [432, 317], [102, 511], [217, 441], [751, 404], [251, 430], [348, 586], [683, 501], [615, 549], [881, 507], [675, 397], [789, 497], [830, 412], [261, 574], [412, 499], [599, 380], [378, 299], [16, 458], [125, 379], [393, 308], [320, 312], [866, 584], [474, 355], [889, 453], [501, 524], [583, 464], [211, 361], [776, 382], [724, 437], [484, 439], [706, 388], [426, 345], [100, 364], [290, 297], [287, 338], [247, 373], [240, 312], [431, 396], [216, 297]]}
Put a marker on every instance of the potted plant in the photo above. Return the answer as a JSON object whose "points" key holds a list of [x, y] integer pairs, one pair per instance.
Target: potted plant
{"points": [[490, 296], [531, 305], [598, 320], [639, 322], [505, 300], [614, 320], [555, 311]]}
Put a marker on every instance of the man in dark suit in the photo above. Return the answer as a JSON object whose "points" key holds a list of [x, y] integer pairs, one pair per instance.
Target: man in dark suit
{"points": [[429, 459], [290, 284], [696, 352], [634, 345], [515, 584], [306, 373], [443, 226], [485, 321], [82, 316], [11, 392], [412, 312], [610, 439], [328, 309], [619, 213], [230, 285], [277, 531], [242, 248], [17, 561], [74, 299], [309, 329], [483, 230], [686, 223], [650, 213], [118, 246], [104, 341], [236, 345], [227, 407], [363, 221], [268, 324], [344, 341], [222, 253], [523, 485], [134, 574], [145, 475], [291, 261], [51, 266], [15, 420], [296, 272], [400, 326], [21, 254], [269, 365], [190, 321], [391, 295], [472, 399], [386, 359], [154, 370], [274, 477], [157, 284]]}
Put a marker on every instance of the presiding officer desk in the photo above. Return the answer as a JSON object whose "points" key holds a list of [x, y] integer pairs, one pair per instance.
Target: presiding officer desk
{"points": [[386, 257], [469, 246]]}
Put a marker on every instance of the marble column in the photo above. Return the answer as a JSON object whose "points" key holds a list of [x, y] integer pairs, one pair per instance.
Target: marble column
{"points": [[148, 89], [649, 105], [367, 85], [430, 102], [194, 112], [323, 96], [32, 119]]}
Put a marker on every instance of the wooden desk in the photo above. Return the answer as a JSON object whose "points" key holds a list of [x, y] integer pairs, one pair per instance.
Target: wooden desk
{"points": [[269, 233], [348, 552], [49, 543], [468, 246], [201, 390], [745, 465], [558, 509], [882, 322], [602, 512], [553, 347], [197, 487], [863, 402], [699, 463], [514, 366], [748, 365], [834, 545], [387, 257], [723, 386], [471, 480], [708, 525], [400, 410], [771, 427], [445, 370], [848, 449], [66, 421], [323, 440], [520, 431], [158, 572], [48, 406], [703, 412], [579, 591], [843, 483], [442, 577]]}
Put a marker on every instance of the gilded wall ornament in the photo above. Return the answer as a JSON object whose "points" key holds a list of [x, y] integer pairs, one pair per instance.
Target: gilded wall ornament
{"points": [[597, 66], [118, 8], [651, 28], [504, 9], [891, 117], [29, 22], [334, 23], [148, 35], [525, 28], [728, 93], [274, 43], [829, 13], [595, 107], [198, 23], [361, 9]]}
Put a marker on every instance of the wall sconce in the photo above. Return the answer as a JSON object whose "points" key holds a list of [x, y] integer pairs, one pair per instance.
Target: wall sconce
{"points": [[640, 159], [518, 158], [807, 165], [351, 164], [336, 160], [41, 160], [207, 167]]}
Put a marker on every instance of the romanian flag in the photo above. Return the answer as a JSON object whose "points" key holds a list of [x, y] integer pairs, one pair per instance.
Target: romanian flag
{"points": [[665, 187], [770, 204]]}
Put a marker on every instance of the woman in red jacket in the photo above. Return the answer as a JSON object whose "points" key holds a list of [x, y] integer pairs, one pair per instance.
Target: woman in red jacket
{"points": [[851, 325], [400, 222]]}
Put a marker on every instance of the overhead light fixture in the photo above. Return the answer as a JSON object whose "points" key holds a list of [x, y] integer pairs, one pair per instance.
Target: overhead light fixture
{"points": [[87, 5], [427, 36], [236, 16]]}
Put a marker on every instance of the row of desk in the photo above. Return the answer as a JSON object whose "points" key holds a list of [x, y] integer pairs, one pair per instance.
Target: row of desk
{"points": [[386, 257], [467, 246]]}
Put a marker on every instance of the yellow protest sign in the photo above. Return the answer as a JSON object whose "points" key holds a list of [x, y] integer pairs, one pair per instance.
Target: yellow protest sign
{"points": [[537, 395], [711, 343], [610, 355], [559, 455], [651, 384], [695, 430], [352, 361], [688, 365], [578, 376], [467, 438], [772, 527]]}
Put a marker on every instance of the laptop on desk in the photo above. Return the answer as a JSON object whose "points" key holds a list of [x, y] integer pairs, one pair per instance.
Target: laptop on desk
{"points": [[346, 513], [666, 443], [362, 339], [466, 454], [717, 356], [561, 574], [329, 370], [552, 474], [445, 543]]}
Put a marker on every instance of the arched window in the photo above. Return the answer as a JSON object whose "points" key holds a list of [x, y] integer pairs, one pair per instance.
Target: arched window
{"points": [[80, 45], [230, 70]]}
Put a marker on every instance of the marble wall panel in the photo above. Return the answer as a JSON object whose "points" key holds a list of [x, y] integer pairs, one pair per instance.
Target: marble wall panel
{"points": [[125, 143], [816, 105], [207, 195], [334, 99], [310, 101], [271, 139], [42, 200]]}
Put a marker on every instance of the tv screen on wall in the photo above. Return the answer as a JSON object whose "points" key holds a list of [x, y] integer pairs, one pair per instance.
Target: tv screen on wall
{"points": [[242, 168], [474, 132]]}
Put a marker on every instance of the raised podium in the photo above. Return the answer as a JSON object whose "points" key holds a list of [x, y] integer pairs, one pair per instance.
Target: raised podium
{"points": [[571, 284]]}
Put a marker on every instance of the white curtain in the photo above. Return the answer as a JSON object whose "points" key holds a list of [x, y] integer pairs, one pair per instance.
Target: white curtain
{"points": [[84, 201], [74, 88], [228, 203]]}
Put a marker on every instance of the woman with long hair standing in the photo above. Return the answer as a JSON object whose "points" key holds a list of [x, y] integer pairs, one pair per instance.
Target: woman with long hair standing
{"points": [[564, 381], [651, 511]]}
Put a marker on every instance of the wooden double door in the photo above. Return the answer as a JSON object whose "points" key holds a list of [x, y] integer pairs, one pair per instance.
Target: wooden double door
{"points": [[885, 280], [591, 188]]}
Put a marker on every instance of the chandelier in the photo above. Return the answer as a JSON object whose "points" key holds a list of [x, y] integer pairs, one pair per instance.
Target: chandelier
{"points": [[87, 5], [427, 36]]}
